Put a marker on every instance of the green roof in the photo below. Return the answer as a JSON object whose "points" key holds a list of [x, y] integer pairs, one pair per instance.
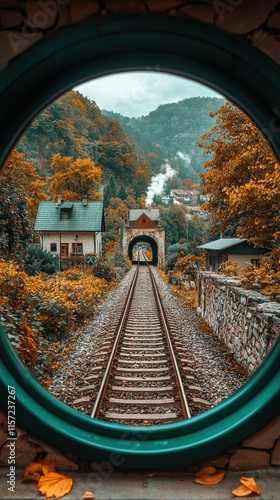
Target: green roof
{"points": [[83, 218], [222, 244]]}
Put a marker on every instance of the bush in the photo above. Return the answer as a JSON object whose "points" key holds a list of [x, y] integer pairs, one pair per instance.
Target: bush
{"points": [[36, 260], [102, 269]]}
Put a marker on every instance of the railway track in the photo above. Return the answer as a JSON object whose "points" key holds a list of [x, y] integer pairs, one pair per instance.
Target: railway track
{"points": [[143, 373]]}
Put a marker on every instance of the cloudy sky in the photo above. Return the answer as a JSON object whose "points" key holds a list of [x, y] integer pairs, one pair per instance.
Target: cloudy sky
{"points": [[138, 93]]}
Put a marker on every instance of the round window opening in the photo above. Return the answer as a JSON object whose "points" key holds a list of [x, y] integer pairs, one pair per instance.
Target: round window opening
{"points": [[33, 80]]}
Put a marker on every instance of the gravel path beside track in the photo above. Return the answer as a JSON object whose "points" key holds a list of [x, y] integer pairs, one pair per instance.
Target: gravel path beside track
{"points": [[218, 374]]}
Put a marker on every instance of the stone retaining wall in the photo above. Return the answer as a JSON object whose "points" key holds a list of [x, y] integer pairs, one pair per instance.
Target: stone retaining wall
{"points": [[25, 22], [247, 321]]}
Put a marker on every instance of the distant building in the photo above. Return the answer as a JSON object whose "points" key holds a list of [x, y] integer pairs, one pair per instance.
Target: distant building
{"points": [[146, 215], [185, 195], [231, 249], [71, 228]]}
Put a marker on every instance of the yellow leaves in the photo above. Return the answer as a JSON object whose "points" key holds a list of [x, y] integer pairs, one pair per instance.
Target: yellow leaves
{"points": [[49, 482], [74, 178], [88, 495], [54, 485], [247, 488], [209, 475]]}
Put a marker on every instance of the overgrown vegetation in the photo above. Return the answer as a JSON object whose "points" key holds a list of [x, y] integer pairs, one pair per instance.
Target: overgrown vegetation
{"points": [[264, 279], [38, 312]]}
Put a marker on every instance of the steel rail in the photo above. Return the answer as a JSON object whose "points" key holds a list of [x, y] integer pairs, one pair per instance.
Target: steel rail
{"points": [[180, 386], [103, 385]]}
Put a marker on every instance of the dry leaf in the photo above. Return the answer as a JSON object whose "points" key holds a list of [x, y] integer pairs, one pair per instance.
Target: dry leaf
{"points": [[250, 483], [215, 478], [32, 472], [88, 494], [48, 467], [242, 491], [54, 485], [206, 471], [36, 469]]}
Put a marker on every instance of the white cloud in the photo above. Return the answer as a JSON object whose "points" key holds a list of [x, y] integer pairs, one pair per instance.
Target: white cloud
{"points": [[138, 93]]}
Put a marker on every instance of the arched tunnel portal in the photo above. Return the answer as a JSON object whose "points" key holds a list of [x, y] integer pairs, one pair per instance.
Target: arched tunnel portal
{"points": [[147, 239]]}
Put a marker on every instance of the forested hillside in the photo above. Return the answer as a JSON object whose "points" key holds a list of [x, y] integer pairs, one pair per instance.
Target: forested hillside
{"points": [[73, 126], [174, 128], [130, 149]]}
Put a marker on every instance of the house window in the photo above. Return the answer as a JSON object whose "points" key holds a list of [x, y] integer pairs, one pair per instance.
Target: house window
{"points": [[144, 220], [65, 214], [255, 262], [77, 248], [53, 247]]}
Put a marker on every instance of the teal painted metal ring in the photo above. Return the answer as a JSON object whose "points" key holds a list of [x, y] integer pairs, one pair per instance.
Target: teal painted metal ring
{"points": [[91, 49]]}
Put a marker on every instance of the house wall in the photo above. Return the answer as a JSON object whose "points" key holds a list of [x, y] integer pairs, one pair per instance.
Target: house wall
{"points": [[86, 238], [245, 320], [241, 259]]}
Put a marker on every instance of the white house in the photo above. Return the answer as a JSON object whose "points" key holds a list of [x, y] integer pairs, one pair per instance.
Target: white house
{"points": [[72, 229]]}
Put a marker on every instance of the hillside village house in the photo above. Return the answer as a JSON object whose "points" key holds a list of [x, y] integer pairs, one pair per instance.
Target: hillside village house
{"points": [[72, 229], [233, 250]]}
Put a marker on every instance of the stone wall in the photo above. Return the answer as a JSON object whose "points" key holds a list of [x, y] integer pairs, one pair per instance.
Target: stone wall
{"points": [[247, 321], [260, 451], [23, 23]]}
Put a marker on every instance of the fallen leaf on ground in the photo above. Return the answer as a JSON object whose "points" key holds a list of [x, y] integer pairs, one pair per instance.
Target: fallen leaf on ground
{"points": [[242, 491], [250, 483], [54, 485], [209, 475], [206, 471], [88, 494], [35, 470]]}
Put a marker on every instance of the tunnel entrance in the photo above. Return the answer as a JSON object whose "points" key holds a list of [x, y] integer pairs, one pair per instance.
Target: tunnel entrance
{"points": [[143, 241]]}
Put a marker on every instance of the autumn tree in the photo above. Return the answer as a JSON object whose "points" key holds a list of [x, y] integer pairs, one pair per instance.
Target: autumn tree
{"points": [[74, 179], [242, 178], [21, 191]]}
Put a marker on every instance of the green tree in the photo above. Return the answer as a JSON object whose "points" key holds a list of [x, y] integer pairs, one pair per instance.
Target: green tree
{"points": [[122, 194], [174, 224], [110, 191]]}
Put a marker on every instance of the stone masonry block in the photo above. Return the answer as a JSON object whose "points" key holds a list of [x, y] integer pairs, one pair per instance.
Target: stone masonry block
{"points": [[125, 6], [249, 459], [10, 18], [204, 13], [25, 453], [81, 9], [161, 5], [265, 438], [244, 17], [275, 455], [41, 14]]}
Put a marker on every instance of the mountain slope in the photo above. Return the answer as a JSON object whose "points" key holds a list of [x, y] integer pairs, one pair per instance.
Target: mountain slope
{"points": [[174, 127]]}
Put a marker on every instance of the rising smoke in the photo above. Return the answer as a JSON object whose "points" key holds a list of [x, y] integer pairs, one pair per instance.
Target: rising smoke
{"points": [[158, 182], [186, 158]]}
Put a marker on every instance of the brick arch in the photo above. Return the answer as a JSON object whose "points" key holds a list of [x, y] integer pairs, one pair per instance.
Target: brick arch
{"points": [[147, 239]]}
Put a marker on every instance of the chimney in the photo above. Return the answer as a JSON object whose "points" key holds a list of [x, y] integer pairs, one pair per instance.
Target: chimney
{"points": [[84, 201], [59, 200]]}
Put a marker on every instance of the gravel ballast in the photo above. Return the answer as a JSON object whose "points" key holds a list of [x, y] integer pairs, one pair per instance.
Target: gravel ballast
{"points": [[216, 371]]}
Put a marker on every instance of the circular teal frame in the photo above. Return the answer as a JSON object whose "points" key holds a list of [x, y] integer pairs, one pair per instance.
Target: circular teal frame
{"points": [[95, 48]]}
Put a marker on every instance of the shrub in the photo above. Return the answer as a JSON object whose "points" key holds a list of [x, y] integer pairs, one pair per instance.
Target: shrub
{"points": [[37, 260]]}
